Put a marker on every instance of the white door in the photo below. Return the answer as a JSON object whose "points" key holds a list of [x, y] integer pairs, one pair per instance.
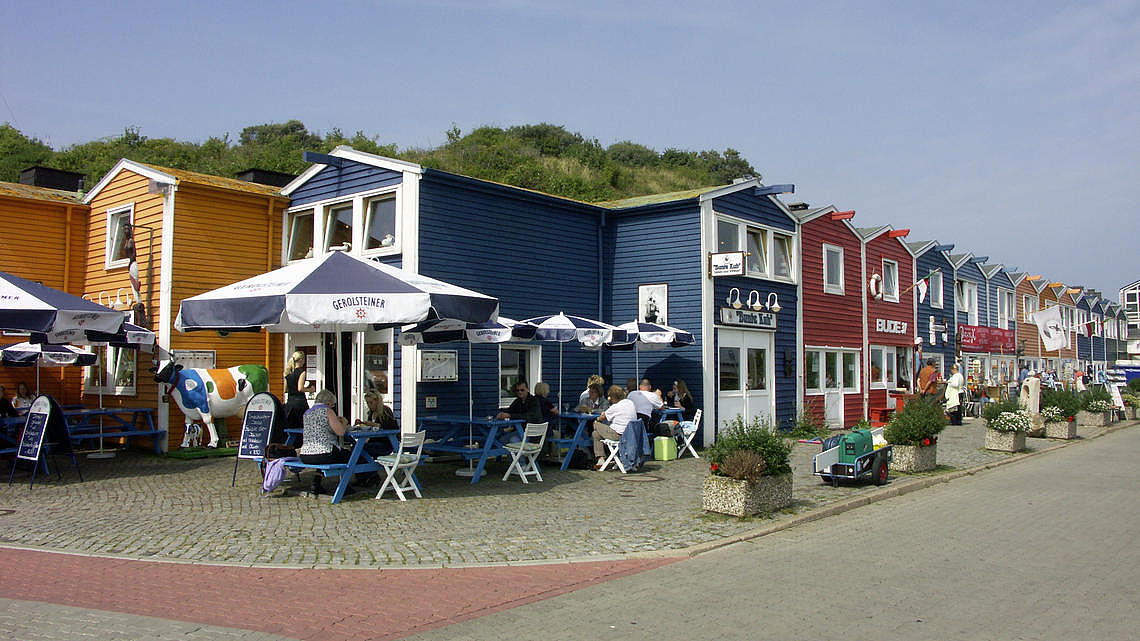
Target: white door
{"points": [[833, 410], [745, 376]]}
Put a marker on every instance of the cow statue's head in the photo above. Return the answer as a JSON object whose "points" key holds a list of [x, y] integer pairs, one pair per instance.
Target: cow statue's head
{"points": [[166, 373]]}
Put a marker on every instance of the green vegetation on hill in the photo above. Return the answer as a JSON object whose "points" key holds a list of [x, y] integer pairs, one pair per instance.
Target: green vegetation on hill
{"points": [[542, 157]]}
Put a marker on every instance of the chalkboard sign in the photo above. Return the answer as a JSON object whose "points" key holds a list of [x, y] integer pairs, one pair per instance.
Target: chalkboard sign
{"points": [[260, 413], [34, 429]]}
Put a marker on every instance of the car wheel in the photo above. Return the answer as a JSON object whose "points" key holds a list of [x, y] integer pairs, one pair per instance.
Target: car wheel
{"points": [[882, 471]]}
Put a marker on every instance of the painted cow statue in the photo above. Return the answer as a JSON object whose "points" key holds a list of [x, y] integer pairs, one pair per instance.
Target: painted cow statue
{"points": [[207, 394]]}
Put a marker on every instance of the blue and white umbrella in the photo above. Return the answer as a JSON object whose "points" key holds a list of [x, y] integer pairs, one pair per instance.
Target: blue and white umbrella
{"points": [[562, 328], [641, 335], [130, 335], [33, 355], [336, 292], [27, 306]]}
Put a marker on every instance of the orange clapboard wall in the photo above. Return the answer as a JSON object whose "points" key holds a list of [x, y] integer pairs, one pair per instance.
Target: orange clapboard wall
{"points": [[48, 248], [1026, 329], [219, 230]]}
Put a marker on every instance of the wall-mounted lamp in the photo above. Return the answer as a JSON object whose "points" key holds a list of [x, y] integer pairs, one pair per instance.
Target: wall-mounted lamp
{"points": [[754, 301], [773, 303], [733, 299]]}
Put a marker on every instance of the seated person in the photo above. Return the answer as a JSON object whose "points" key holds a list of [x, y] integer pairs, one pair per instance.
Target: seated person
{"points": [[24, 396], [594, 378], [647, 402], [7, 410], [323, 431], [549, 411], [379, 415], [595, 401], [525, 407], [612, 422]]}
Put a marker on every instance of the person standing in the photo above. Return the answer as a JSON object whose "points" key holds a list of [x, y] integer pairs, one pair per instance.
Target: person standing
{"points": [[295, 381], [954, 395], [928, 379]]}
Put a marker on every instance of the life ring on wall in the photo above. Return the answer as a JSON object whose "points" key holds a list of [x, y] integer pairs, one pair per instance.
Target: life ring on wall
{"points": [[875, 286]]}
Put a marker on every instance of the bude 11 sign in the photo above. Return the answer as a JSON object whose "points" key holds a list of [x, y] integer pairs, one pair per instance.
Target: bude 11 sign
{"points": [[887, 326]]}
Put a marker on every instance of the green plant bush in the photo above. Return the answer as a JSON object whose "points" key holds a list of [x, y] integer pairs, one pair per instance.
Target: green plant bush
{"points": [[918, 423], [807, 426], [991, 411], [1097, 393], [1067, 401], [1134, 385], [759, 437]]}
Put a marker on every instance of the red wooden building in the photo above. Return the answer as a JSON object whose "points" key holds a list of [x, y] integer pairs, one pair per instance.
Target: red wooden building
{"points": [[889, 322], [832, 299]]}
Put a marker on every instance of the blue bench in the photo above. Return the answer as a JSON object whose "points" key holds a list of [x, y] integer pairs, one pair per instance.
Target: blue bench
{"points": [[84, 425]]}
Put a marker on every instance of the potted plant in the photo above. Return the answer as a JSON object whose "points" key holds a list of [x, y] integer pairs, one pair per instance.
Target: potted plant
{"points": [[1006, 431], [1095, 409], [1131, 401], [1057, 424], [914, 434], [750, 470]]}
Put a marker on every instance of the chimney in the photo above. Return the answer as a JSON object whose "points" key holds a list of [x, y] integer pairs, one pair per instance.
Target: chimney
{"points": [[266, 177], [40, 176]]}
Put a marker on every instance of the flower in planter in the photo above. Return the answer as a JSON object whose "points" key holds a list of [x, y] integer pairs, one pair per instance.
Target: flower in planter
{"points": [[919, 422], [1018, 421], [1072, 418], [748, 452], [1098, 405], [1052, 414]]}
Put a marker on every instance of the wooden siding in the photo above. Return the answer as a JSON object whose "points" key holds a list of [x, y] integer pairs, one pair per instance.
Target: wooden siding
{"points": [[1026, 329], [40, 253], [831, 319], [537, 254], [925, 263], [880, 248], [349, 179], [969, 272]]}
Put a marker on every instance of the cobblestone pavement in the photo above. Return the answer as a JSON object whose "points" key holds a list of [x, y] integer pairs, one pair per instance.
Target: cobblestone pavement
{"points": [[141, 506], [79, 558]]}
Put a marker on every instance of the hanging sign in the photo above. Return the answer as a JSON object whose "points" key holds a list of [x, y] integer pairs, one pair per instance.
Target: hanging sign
{"points": [[976, 338], [726, 264], [747, 318]]}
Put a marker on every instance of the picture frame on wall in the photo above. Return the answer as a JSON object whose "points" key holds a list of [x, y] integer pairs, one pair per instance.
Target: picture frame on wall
{"points": [[653, 303]]}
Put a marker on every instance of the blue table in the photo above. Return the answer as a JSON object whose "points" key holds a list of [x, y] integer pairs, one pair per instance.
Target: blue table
{"points": [[672, 414], [457, 439], [359, 460], [580, 438], [113, 422]]}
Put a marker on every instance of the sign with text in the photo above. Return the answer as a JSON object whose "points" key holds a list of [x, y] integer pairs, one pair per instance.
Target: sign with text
{"points": [[726, 264], [747, 318], [976, 338], [35, 427], [888, 326], [257, 426]]}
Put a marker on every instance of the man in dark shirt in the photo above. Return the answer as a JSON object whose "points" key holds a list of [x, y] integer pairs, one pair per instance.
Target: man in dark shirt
{"points": [[525, 405], [6, 409]]}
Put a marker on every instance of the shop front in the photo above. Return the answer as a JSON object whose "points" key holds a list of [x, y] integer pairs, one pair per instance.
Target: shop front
{"points": [[989, 360]]}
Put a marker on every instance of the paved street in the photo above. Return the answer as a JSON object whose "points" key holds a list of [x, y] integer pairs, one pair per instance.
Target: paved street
{"points": [[576, 535]]}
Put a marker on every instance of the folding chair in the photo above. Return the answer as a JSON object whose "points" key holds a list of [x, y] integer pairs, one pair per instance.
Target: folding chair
{"points": [[527, 451], [612, 448], [686, 432], [405, 461]]}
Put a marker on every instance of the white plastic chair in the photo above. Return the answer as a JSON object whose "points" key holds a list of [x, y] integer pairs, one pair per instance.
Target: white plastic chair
{"points": [[405, 461], [686, 432], [525, 453], [612, 448]]}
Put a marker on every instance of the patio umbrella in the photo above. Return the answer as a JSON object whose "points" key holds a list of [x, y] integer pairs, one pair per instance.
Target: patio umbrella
{"points": [[562, 328], [641, 335], [336, 292], [130, 335], [31, 355], [28, 306]]}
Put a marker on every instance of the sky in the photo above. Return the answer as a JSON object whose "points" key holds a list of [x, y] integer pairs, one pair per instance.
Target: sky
{"points": [[1010, 129]]}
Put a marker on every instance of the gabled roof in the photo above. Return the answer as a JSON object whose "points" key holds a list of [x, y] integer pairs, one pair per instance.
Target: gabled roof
{"points": [[657, 199], [989, 270], [957, 260], [31, 192], [1017, 278], [348, 153], [170, 176], [869, 233], [921, 246]]}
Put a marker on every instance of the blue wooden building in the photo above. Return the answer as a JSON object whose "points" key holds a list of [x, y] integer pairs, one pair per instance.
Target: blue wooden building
{"points": [[936, 320], [541, 254], [1001, 316], [971, 308]]}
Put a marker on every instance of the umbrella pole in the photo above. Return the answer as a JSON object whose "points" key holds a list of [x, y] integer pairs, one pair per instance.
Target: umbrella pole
{"points": [[101, 454], [470, 469]]}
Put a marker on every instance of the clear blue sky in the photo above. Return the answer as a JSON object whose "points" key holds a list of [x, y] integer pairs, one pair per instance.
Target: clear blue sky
{"points": [[1009, 128]]}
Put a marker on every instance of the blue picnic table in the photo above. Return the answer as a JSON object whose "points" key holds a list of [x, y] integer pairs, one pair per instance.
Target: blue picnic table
{"points": [[113, 422], [470, 438], [359, 460]]}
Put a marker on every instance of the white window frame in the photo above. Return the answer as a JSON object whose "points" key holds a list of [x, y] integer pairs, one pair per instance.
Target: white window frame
{"points": [[290, 232], [936, 291], [1028, 307], [828, 287], [890, 296], [770, 236], [109, 359], [889, 356], [394, 248], [751, 261], [329, 218], [1005, 304], [533, 355], [113, 239], [845, 386], [970, 304]]}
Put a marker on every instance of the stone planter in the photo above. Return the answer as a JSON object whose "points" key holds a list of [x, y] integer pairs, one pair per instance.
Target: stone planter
{"points": [[914, 458], [1061, 429], [741, 498], [1093, 419], [1005, 441], [1037, 428]]}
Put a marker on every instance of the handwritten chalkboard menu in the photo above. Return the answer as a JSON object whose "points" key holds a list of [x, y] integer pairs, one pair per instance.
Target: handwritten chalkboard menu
{"points": [[34, 429], [258, 423]]}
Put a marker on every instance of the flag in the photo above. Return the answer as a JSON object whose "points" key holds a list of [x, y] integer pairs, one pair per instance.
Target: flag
{"points": [[923, 284], [1050, 328]]}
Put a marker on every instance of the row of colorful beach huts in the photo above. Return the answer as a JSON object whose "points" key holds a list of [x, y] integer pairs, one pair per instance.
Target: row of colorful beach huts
{"points": [[793, 308]]}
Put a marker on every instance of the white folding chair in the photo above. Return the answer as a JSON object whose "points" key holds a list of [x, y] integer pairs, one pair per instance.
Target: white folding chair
{"points": [[686, 432], [404, 460], [525, 453], [612, 448]]}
